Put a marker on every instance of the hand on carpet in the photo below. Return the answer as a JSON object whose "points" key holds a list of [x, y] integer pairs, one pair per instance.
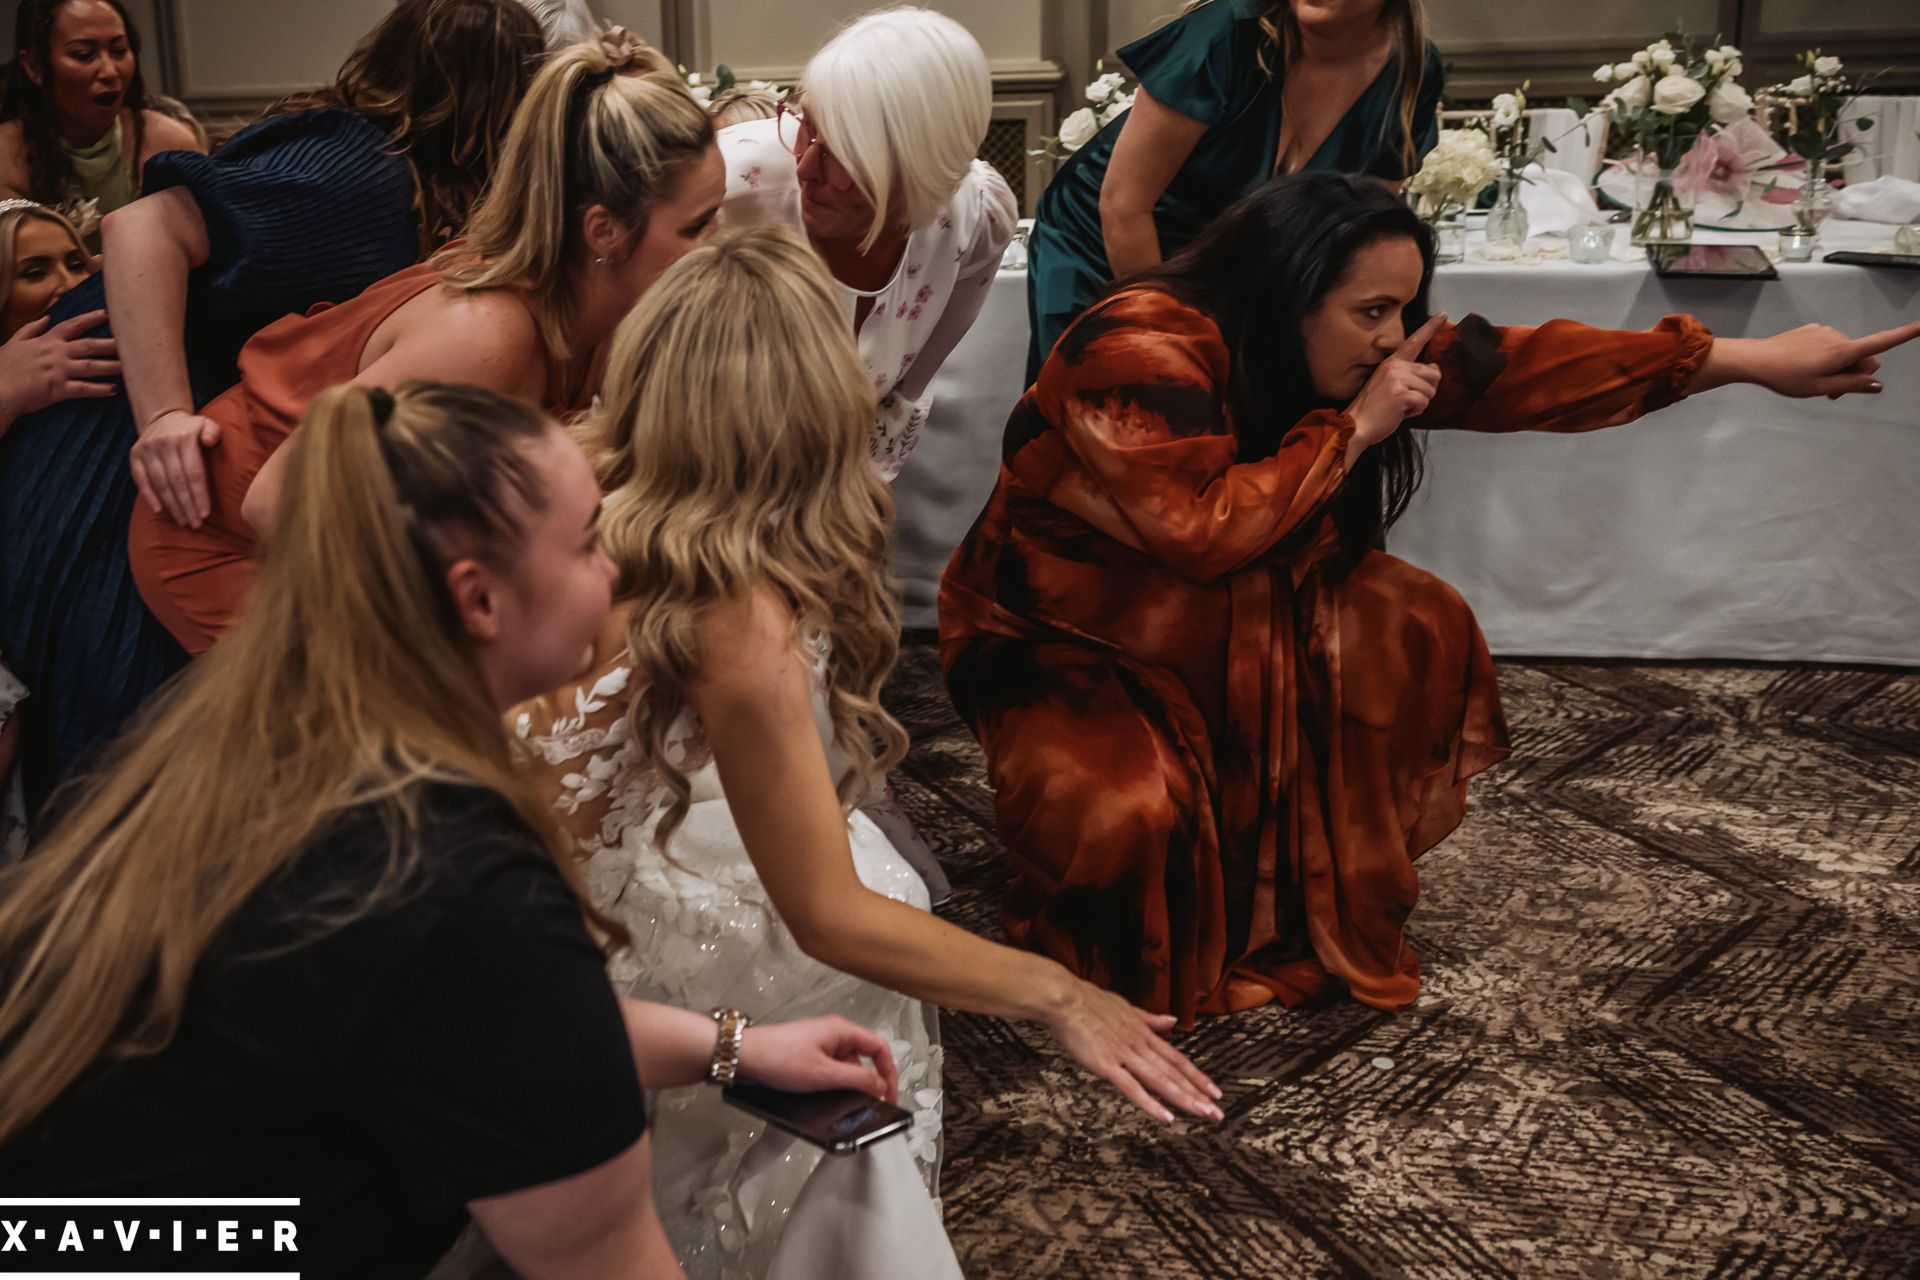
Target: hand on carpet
{"points": [[1127, 1048]]}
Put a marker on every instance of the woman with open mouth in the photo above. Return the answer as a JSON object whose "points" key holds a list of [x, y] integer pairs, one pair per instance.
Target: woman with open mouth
{"points": [[76, 123]]}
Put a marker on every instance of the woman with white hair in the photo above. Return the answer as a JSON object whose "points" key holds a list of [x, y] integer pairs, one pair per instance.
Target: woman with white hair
{"points": [[873, 159]]}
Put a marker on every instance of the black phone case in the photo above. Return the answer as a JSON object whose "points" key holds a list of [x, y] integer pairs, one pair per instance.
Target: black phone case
{"points": [[1858, 258], [840, 1121]]}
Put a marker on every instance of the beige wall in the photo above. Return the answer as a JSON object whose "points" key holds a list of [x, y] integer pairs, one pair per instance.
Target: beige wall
{"points": [[778, 35], [228, 52]]}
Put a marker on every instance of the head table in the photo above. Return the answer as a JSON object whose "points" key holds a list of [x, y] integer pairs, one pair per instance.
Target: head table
{"points": [[1738, 525]]}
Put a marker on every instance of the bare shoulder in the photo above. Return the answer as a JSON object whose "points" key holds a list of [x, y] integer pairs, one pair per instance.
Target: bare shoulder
{"points": [[749, 645], [484, 336], [164, 133]]}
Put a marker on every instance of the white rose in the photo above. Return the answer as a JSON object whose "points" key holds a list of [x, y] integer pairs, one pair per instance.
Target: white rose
{"points": [[1642, 60], [693, 80], [1729, 50], [1715, 57], [1625, 71], [1676, 94], [1605, 74], [1105, 86], [1729, 103], [1826, 66], [1116, 109], [1506, 111], [1078, 129], [1633, 95], [702, 94], [1663, 60], [1801, 84]]}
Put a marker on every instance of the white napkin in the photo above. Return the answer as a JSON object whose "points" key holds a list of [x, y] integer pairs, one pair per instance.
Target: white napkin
{"points": [[1879, 200], [1556, 202]]}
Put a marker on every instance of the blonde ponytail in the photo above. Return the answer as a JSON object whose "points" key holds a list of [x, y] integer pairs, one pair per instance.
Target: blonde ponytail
{"points": [[347, 681], [606, 123]]}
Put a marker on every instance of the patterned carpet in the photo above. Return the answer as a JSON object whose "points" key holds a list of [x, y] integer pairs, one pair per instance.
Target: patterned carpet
{"points": [[1670, 1027]]}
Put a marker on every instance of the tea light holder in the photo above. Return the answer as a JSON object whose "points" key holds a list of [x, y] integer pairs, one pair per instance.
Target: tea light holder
{"points": [[1907, 239], [1591, 244], [1796, 243]]}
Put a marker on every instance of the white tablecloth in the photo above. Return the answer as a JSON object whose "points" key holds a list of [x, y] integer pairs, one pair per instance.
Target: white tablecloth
{"points": [[1737, 525]]}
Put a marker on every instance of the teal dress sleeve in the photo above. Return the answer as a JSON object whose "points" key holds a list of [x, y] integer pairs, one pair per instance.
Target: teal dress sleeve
{"points": [[1197, 63]]}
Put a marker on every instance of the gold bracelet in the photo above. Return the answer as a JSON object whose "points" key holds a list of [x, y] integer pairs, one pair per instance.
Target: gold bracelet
{"points": [[725, 1066]]}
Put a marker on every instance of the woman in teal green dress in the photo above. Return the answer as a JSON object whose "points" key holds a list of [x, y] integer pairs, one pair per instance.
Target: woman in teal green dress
{"points": [[1231, 93]]}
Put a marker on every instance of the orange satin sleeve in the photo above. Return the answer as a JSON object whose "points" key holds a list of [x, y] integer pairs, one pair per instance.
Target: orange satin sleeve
{"points": [[1560, 376], [1143, 447]]}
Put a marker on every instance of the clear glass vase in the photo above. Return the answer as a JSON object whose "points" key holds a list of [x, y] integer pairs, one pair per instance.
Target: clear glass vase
{"points": [[1814, 205], [1507, 220], [1662, 211], [1449, 227]]}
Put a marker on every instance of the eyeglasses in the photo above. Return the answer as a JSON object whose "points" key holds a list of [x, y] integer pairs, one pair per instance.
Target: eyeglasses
{"points": [[798, 136]]}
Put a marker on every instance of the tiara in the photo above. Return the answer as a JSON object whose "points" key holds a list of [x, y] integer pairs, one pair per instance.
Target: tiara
{"points": [[15, 202]]}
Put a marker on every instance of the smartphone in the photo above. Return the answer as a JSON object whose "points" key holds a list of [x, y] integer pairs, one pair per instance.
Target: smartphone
{"points": [[839, 1120], [1726, 261], [1911, 261]]}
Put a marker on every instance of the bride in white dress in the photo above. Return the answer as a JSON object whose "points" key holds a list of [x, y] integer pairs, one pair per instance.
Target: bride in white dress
{"points": [[709, 761], [706, 936]]}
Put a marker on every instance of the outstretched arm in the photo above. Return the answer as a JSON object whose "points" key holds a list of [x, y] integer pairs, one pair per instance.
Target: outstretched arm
{"points": [[1812, 360], [1563, 376], [754, 698]]}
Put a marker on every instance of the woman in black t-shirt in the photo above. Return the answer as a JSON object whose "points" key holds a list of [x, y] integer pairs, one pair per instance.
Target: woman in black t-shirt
{"points": [[307, 934]]}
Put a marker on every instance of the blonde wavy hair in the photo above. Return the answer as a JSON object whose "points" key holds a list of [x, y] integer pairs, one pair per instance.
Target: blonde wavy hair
{"points": [[1280, 49], [731, 445], [348, 681], [606, 122]]}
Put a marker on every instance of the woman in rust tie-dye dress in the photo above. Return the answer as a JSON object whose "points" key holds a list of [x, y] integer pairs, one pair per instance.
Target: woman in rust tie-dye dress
{"points": [[1220, 723]]}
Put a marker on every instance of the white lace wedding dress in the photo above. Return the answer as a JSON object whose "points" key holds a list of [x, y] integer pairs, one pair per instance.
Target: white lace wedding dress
{"points": [[706, 936]]}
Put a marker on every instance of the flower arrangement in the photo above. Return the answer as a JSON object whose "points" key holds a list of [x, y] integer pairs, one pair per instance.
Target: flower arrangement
{"points": [[1458, 168], [1664, 99], [1816, 102], [1107, 99], [1507, 129]]}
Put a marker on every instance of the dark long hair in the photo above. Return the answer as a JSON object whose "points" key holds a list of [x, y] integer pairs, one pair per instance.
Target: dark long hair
{"points": [[441, 78], [32, 104], [1260, 270]]}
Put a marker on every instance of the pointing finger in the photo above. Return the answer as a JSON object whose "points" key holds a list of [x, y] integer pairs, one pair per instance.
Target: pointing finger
{"points": [[1413, 346], [1886, 340]]}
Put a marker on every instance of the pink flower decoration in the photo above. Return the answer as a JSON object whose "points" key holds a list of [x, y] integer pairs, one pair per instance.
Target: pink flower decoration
{"points": [[913, 271], [915, 313], [752, 178], [926, 292]]}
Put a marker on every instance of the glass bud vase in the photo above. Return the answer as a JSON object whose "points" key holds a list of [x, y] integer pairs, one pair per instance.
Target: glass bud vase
{"points": [[1661, 212], [1449, 234], [1814, 205], [1507, 220]]}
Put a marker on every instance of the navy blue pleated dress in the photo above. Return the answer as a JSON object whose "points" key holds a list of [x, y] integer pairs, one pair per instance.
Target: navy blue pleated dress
{"points": [[302, 208]]}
